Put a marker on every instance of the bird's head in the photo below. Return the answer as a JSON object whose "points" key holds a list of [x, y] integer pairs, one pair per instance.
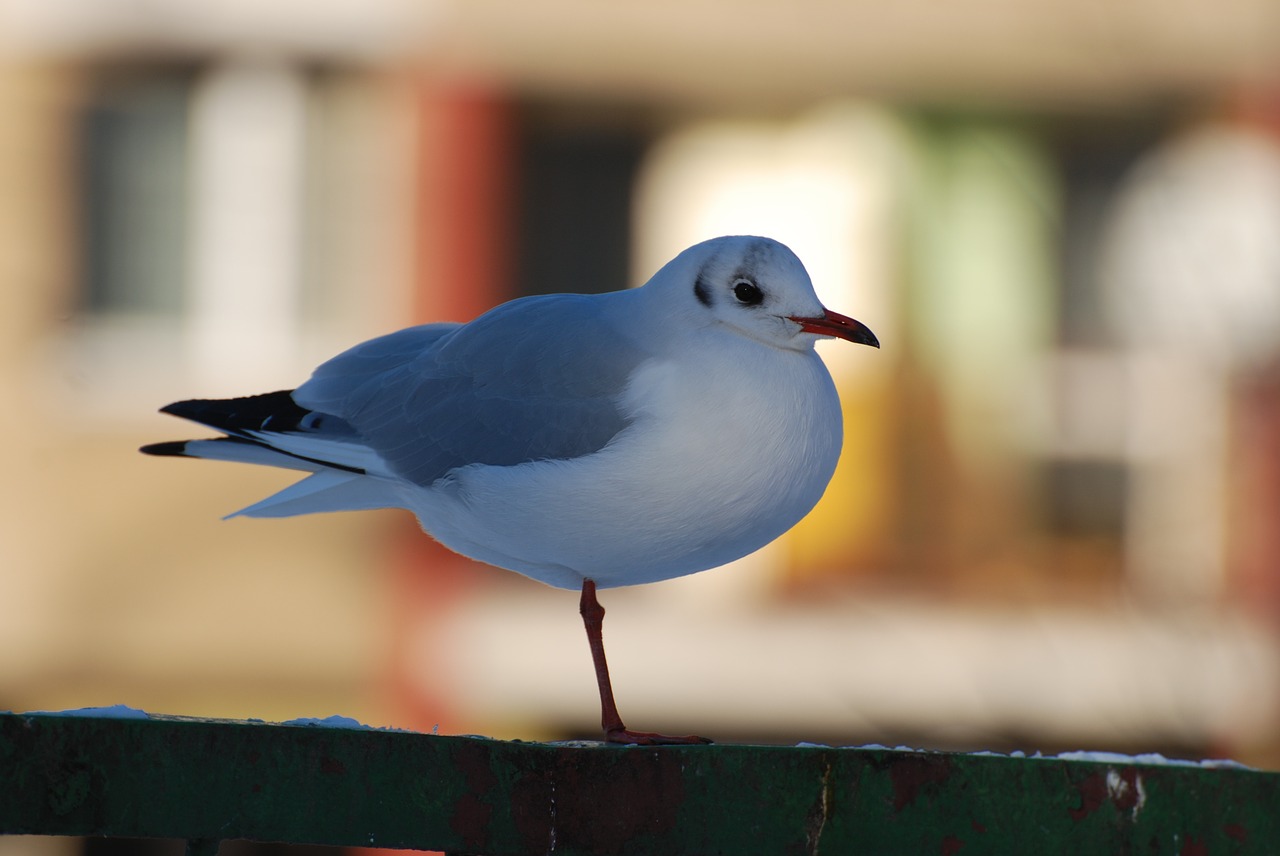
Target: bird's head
{"points": [[756, 287]]}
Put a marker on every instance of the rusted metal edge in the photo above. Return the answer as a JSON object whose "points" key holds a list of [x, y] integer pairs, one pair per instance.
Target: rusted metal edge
{"points": [[211, 780]]}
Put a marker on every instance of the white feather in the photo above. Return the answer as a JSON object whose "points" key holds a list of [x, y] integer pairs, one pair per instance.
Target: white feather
{"points": [[342, 453], [327, 490], [246, 453]]}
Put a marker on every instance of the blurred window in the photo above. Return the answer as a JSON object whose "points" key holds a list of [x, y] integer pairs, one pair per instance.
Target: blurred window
{"points": [[238, 222], [577, 176], [133, 156]]}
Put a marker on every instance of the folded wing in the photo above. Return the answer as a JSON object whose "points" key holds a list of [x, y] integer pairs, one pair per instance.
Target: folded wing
{"points": [[524, 382]]}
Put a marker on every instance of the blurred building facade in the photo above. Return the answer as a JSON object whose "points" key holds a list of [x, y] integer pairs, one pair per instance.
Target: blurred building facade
{"points": [[1054, 524]]}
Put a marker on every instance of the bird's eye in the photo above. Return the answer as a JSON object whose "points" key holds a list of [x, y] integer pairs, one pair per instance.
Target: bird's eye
{"points": [[747, 292]]}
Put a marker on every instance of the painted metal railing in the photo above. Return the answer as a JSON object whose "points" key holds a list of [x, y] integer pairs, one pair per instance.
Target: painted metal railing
{"points": [[211, 780]]}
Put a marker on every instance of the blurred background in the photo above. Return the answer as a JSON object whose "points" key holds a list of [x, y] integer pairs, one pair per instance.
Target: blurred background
{"points": [[1056, 523]]}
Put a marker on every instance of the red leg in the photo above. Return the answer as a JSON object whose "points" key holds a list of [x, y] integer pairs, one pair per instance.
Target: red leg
{"points": [[610, 721]]}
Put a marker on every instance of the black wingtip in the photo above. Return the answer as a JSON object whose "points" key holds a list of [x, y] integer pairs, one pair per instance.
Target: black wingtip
{"points": [[173, 448], [240, 415]]}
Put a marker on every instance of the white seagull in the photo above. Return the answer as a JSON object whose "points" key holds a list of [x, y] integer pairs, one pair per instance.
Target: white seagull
{"points": [[582, 440]]}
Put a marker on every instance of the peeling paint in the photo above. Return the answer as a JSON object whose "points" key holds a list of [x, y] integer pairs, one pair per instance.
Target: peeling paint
{"points": [[1125, 789], [551, 835], [1093, 792], [817, 820], [71, 790]]}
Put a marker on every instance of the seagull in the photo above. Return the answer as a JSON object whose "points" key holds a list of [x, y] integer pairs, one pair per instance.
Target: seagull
{"points": [[585, 441]]}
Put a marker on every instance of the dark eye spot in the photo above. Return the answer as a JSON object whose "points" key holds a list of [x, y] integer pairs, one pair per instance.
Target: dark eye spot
{"points": [[702, 291], [747, 292]]}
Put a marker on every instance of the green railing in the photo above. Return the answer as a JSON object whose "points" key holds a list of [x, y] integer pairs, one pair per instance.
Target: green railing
{"points": [[208, 780]]}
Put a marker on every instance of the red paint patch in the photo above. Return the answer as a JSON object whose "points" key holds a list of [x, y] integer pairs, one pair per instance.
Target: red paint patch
{"points": [[977, 827], [1126, 796], [472, 813], [598, 802], [951, 845], [1121, 787], [1093, 793], [333, 766], [911, 775], [1194, 847], [1236, 831]]}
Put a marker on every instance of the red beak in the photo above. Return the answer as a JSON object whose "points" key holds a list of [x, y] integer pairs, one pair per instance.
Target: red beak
{"points": [[835, 324]]}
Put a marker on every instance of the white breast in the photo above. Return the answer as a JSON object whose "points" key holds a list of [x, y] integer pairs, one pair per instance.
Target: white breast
{"points": [[726, 452]]}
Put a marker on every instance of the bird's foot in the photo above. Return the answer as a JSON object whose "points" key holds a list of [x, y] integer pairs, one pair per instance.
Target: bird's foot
{"points": [[648, 738]]}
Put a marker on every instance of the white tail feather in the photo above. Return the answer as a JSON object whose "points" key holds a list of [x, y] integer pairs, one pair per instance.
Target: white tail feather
{"points": [[327, 490], [342, 453], [246, 453]]}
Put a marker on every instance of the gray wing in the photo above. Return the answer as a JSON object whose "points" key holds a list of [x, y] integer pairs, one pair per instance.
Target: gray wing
{"points": [[534, 379]]}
